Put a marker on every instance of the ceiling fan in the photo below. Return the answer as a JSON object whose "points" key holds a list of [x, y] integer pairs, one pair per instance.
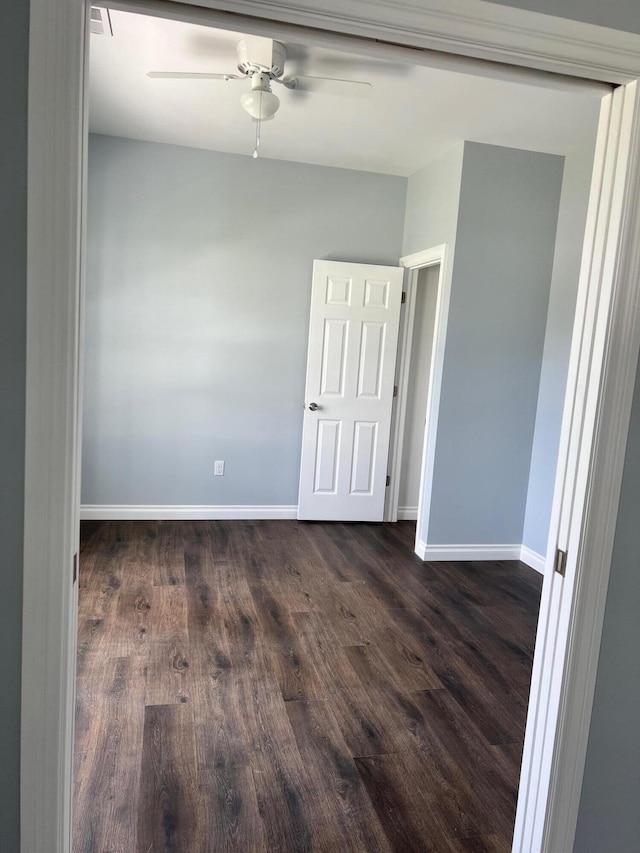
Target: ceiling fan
{"points": [[262, 60]]}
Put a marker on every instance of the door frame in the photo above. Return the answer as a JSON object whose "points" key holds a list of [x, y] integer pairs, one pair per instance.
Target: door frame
{"points": [[600, 383], [602, 371], [413, 263]]}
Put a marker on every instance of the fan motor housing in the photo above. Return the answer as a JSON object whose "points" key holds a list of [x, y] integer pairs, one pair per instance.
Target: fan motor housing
{"points": [[258, 55]]}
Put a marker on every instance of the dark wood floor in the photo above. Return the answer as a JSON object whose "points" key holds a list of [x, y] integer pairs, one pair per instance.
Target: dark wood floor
{"points": [[281, 686]]}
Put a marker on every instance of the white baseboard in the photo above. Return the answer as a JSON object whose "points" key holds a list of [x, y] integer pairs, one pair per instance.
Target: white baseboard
{"points": [[162, 512], [407, 513], [532, 559], [441, 553]]}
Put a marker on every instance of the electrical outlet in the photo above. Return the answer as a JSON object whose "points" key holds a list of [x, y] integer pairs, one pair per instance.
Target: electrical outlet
{"points": [[218, 468]]}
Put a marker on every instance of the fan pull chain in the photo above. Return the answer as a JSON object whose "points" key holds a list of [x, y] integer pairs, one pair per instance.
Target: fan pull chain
{"points": [[255, 150]]}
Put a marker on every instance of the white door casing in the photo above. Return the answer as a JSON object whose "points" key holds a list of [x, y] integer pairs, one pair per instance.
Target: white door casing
{"points": [[600, 386], [435, 256], [353, 336]]}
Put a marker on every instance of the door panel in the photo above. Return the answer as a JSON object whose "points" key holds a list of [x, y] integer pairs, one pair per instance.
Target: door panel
{"points": [[364, 449], [353, 334], [333, 358]]}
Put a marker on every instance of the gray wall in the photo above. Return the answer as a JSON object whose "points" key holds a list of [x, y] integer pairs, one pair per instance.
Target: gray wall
{"points": [[609, 817], [618, 14], [557, 345], [198, 292], [14, 39], [433, 196], [499, 300]]}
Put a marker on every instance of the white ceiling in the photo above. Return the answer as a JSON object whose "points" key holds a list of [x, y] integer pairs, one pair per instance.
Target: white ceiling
{"points": [[414, 114]]}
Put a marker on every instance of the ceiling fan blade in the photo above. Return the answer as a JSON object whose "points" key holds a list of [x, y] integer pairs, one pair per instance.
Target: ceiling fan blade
{"points": [[328, 85], [190, 75]]}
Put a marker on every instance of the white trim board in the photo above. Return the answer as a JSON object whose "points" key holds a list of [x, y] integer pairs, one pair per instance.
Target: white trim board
{"points": [[600, 384], [455, 30], [442, 553], [442, 256], [426, 258], [195, 512], [460, 553], [532, 559], [407, 513]]}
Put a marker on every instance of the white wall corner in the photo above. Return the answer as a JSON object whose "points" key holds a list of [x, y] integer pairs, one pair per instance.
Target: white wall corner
{"points": [[532, 559]]}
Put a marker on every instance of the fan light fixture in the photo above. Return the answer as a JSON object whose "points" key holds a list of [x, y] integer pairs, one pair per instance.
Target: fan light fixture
{"points": [[260, 102], [262, 61]]}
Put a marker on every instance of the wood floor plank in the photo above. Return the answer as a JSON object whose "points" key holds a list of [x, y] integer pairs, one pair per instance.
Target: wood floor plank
{"points": [[448, 785], [298, 581], [168, 554], [228, 808], [377, 574], [168, 813], [260, 686], [402, 809], [516, 623], [296, 676], [347, 820], [402, 657], [484, 844], [107, 760], [169, 677], [104, 578], [132, 620], [325, 656], [220, 628], [325, 548], [488, 770], [286, 798], [353, 612], [496, 707], [230, 671], [445, 780], [407, 578], [366, 726], [468, 626]]}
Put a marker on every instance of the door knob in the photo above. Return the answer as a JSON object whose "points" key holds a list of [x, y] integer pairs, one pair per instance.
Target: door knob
{"points": [[313, 407]]}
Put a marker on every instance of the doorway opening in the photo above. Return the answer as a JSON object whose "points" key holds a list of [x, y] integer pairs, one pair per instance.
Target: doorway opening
{"points": [[422, 304], [418, 376], [427, 301], [117, 158]]}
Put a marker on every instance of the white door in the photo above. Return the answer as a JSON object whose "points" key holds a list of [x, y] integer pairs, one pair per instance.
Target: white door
{"points": [[353, 336]]}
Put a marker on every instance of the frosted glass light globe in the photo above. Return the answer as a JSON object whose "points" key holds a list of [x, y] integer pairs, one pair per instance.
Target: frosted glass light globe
{"points": [[260, 104]]}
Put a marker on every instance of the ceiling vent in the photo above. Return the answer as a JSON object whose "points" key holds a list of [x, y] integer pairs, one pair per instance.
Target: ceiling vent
{"points": [[100, 21]]}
